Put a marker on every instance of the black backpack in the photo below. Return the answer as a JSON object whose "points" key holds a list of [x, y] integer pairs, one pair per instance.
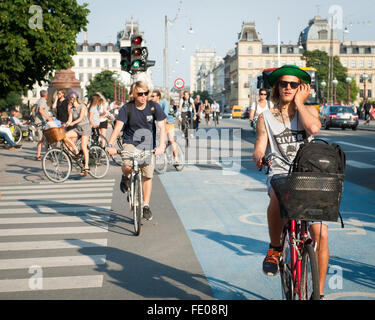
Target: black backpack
{"points": [[321, 158]]}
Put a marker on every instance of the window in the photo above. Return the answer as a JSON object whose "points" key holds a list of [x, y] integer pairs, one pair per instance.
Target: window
{"points": [[272, 49], [361, 64], [373, 50], [353, 65], [250, 50], [361, 50], [106, 63], [323, 35], [114, 62], [89, 76], [89, 63], [345, 63], [369, 94], [85, 48], [283, 50], [80, 77], [349, 50], [249, 63], [97, 48], [81, 62], [109, 49], [369, 64], [97, 63]]}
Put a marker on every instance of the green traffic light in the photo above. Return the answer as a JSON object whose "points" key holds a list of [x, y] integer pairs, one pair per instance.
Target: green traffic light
{"points": [[136, 64]]}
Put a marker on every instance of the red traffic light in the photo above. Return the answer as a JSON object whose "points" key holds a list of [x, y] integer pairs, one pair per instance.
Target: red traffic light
{"points": [[137, 41]]}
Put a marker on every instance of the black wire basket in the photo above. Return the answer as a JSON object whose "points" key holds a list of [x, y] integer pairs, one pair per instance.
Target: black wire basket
{"points": [[309, 196]]}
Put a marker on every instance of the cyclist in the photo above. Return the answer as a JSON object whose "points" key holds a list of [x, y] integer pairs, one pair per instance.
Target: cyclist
{"points": [[139, 134], [259, 106], [170, 121], [187, 110], [281, 130], [215, 111], [207, 110]]}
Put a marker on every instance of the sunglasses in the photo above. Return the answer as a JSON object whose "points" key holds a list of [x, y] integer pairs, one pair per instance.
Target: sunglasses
{"points": [[293, 85], [263, 94], [140, 94], [154, 96]]}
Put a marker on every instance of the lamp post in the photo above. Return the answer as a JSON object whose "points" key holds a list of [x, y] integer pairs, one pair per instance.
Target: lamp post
{"points": [[364, 78], [323, 84], [334, 83], [348, 81]]}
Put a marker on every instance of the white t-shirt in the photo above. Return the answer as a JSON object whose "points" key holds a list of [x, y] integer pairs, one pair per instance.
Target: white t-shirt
{"points": [[259, 109]]}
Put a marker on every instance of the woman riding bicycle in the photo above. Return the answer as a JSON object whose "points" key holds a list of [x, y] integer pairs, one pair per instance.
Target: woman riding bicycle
{"points": [[282, 130], [79, 121]]}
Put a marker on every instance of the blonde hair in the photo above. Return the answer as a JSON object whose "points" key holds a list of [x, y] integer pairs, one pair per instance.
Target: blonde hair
{"points": [[136, 85], [96, 100]]}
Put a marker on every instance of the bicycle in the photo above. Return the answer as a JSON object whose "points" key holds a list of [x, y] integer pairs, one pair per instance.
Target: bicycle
{"points": [[57, 163], [298, 263], [216, 118], [185, 125], [167, 158], [135, 192]]}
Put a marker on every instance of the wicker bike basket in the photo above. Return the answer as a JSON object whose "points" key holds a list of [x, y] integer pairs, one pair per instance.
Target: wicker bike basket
{"points": [[54, 135], [308, 196]]}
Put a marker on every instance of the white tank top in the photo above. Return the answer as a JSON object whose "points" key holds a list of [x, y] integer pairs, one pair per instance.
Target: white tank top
{"points": [[284, 139]]}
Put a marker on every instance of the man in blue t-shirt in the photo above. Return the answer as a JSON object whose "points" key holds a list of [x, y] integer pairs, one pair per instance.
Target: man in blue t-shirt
{"points": [[138, 119]]}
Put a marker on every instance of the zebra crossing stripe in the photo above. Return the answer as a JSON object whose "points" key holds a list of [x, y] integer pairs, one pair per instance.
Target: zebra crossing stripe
{"points": [[52, 262], [51, 231], [56, 283], [61, 209], [57, 191], [54, 203], [54, 219], [55, 186], [56, 196], [54, 244]]}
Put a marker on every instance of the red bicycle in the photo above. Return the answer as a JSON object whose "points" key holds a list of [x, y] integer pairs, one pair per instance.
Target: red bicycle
{"points": [[298, 262]]}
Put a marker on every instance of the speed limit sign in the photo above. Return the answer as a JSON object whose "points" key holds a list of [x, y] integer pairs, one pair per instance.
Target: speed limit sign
{"points": [[179, 83]]}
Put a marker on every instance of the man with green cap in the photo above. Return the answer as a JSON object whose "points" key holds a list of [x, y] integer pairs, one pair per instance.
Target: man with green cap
{"points": [[281, 130]]}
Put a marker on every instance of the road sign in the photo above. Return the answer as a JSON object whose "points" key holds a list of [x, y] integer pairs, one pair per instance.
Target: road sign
{"points": [[179, 83]]}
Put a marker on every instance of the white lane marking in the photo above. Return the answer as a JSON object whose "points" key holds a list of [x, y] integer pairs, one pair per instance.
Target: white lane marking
{"points": [[57, 187], [57, 283], [54, 203], [54, 219], [55, 244], [65, 209], [360, 165], [355, 145], [50, 231], [52, 262], [56, 191]]}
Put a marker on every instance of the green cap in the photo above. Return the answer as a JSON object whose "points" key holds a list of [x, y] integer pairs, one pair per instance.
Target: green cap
{"points": [[289, 70]]}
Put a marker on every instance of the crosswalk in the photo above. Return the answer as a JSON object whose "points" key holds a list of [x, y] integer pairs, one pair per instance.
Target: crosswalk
{"points": [[54, 235]]}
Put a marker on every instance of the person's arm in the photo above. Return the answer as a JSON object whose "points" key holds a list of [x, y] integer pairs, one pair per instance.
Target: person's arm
{"points": [[81, 115], [260, 142], [308, 114], [114, 135], [44, 114], [70, 116], [90, 119], [179, 109]]}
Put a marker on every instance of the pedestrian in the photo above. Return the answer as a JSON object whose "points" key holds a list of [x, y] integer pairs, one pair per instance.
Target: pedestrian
{"points": [[138, 120], [197, 105], [78, 120], [43, 114], [56, 106], [103, 115], [259, 106], [94, 114], [371, 115]]}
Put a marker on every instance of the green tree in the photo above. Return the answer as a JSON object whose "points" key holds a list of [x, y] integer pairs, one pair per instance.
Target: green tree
{"points": [[204, 95], [37, 37], [320, 60], [104, 83]]}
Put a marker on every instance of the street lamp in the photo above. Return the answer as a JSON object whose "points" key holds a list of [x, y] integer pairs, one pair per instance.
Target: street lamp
{"points": [[365, 76], [334, 83], [323, 84], [348, 81]]}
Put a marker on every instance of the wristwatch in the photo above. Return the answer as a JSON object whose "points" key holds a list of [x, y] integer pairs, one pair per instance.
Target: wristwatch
{"points": [[109, 146]]}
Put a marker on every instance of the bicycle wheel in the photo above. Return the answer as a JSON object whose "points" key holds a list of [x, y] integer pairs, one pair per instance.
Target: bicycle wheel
{"points": [[310, 275], [287, 285], [98, 162], [137, 205], [17, 134], [56, 165], [180, 157], [161, 163]]}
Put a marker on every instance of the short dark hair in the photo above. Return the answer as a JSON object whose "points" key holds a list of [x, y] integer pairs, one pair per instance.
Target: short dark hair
{"points": [[157, 93]]}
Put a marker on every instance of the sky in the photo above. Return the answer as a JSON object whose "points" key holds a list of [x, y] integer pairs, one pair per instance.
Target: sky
{"points": [[216, 24]]}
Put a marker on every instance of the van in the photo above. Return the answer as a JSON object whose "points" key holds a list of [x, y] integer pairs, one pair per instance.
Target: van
{"points": [[237, 111]]}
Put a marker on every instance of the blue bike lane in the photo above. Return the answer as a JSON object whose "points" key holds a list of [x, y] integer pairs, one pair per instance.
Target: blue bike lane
{"points": [[224, 214]]}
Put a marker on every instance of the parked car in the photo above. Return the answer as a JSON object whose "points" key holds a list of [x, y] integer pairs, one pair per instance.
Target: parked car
{"points": [[246, 113], [337, 116], [237, 112]]}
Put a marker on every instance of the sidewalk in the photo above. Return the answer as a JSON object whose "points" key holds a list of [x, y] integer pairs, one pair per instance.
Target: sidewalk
{"points": [[363, 126]]}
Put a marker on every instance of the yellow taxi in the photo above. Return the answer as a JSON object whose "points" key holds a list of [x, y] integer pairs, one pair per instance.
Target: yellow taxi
{"points": [[237, 111]]}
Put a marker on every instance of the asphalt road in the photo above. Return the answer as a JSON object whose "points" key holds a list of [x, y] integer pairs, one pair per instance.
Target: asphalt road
{"points": [[207, 239]]}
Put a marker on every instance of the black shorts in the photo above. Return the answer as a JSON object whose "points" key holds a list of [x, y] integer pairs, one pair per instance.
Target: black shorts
{"points": [[103, 125]]}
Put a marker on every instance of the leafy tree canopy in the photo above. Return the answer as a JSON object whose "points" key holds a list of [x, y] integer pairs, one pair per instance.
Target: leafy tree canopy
{"points": [[320, 60], [36, 38], [104, 83]]}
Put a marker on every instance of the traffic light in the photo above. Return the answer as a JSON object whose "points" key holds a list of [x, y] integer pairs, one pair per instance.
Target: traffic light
{"points": [[125, 58], [138, 54]]}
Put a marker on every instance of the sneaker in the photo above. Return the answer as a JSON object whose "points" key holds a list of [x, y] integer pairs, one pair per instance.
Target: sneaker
{"points": [[124, 184], [147, 214], [271, 262]]}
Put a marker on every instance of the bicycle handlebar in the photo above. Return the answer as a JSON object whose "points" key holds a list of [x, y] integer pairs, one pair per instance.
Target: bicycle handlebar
{"points": [[267, 159]]}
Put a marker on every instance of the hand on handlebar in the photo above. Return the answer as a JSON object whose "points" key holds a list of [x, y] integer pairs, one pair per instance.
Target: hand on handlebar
{"points": [[111, 151]]}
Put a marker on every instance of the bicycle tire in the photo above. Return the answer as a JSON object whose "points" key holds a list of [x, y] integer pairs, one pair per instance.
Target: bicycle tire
{"points": [[137, 206], [310, 270], [287, 285], [161, 163], [53, 164], [98, 162], [17, 134]]}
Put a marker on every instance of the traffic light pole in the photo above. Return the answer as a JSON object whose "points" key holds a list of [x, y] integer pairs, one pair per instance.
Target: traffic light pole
{"points": [[166, 85]]}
